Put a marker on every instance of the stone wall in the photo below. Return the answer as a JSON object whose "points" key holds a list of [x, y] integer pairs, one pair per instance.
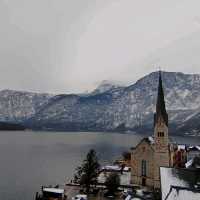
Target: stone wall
{"points": [[143, 151]]}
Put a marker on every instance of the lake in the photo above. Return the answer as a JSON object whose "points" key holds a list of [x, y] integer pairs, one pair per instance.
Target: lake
{"points": [[31, 159]]}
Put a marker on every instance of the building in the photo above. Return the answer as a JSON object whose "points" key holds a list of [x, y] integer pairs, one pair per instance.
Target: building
{"points": [[180, 183], [156, 151], [193, 163], [192, 152], [180, 156], [50, 193]]}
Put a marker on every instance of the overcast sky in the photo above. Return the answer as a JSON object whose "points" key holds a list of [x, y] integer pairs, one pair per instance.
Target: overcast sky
{"points": [[63, 46]]}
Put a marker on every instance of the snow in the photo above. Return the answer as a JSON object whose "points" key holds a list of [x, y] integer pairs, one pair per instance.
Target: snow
{"points": [[112, 167], [18, 105], [189, 163], [133, 105], [181, 147], [106, 86], [183, 194], [197, 147], [168, 179], [125, 178], [54, 190], [126, 169], [139, 192], [128, 197], [190, 116], [151, 139], [171, 180], [79, 197]]}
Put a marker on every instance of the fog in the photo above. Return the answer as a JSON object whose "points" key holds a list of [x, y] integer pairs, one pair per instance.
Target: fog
{"points": [[64, 46]]}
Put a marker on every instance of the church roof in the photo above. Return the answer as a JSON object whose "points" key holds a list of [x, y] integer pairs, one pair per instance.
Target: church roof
{"points": [[149, 140], [160, 104]]}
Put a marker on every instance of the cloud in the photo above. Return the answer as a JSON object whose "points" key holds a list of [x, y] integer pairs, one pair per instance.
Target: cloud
{"points": [[68, 46]]}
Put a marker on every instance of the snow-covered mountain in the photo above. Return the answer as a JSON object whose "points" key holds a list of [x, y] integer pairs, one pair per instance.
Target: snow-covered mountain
{"points": [[106, 85], [17, 106], [112, 108], [124, 108]]}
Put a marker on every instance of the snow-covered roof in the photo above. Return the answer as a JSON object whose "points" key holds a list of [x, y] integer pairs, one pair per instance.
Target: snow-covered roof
{"points": [[180, 193], [193, 163], [125, 178], [128, 197], [126, 169], [111, 167], [189, 163], [81, 196], [54, 190], [151, 139], [181, 147], [175, 180], [197, 147]]}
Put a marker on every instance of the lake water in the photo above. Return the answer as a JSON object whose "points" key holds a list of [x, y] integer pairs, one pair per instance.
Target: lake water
{"points": [[31, 159]]}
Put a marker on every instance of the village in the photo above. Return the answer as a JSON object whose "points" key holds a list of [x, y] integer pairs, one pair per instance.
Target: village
{"points": [[156, 168]]}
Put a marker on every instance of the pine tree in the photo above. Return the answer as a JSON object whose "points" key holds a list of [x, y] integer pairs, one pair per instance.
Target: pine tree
{"points": [[112, 183], [88, 172]]}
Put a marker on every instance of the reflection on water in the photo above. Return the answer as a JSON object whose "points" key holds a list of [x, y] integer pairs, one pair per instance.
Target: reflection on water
{"points": [[31, 159]]}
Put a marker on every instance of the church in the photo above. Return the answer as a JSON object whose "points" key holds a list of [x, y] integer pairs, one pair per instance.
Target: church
{"points": [[153, 152]]}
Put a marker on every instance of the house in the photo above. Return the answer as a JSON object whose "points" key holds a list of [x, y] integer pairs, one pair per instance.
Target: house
{"points": [[51, 193], [192, 152], [180, 183], [156, 151], [180, 156], [124, 174], [193, 163]]}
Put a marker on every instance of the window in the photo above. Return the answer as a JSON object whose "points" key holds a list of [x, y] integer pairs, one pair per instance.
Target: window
{"points": [[144, 167], [160, 134], [143, 181]]}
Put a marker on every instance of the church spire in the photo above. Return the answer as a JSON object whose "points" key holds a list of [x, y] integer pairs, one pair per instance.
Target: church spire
{"points": [[161, 113]]}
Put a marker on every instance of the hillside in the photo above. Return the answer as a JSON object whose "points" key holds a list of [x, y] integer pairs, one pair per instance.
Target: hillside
{"points": [[124, 108], [110, 107]]}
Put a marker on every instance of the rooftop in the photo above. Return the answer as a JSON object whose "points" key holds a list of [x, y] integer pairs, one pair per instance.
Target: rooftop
{"points": [[54, 190], [180, 182]]}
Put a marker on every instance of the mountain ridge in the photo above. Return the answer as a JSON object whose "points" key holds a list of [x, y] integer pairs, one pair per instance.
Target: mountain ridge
{"points": [[118, 108]]}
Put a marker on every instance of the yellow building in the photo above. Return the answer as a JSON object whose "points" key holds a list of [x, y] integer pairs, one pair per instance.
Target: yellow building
{"points": [[153, 152]]}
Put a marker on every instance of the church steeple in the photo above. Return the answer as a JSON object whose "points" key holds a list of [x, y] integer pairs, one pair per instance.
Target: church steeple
{"points": [[161, 113], [161, 154]]}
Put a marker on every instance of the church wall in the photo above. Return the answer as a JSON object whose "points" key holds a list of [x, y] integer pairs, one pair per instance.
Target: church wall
{"points": [[143, 151]]}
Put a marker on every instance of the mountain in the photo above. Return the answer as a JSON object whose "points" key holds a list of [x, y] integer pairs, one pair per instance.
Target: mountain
{"points": [[191, 125], [110, 108], [17, 106], [124, 108], [105, 86]]}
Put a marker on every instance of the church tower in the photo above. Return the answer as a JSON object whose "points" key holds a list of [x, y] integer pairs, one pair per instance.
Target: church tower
{"points": [[161, 153]]}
